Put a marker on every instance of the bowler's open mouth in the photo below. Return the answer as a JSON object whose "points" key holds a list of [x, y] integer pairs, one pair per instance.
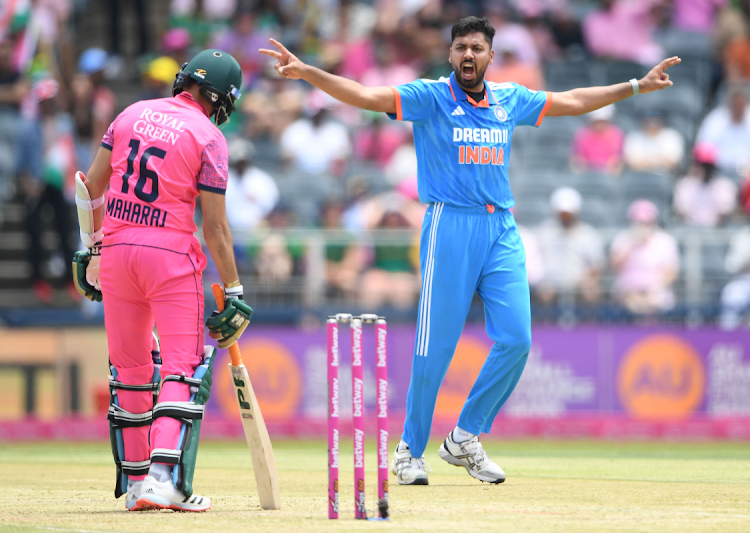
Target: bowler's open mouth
{"points": [[467, 70]]}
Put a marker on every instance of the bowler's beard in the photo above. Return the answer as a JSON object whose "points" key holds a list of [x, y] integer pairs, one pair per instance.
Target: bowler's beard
{"points": [[479, 76]]}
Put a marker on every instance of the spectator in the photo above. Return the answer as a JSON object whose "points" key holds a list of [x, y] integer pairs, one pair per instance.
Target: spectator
{"points": [[654, 147], [403, 164], [379, 140], [508, 68], [622, 29], [512, 35], [704, 197], [251, 193], [728, 128], [93, 105], [572, 251], [735, 297], [176, 44], [274, 259], [392, 278], [17, 138], [199, 17], [646, 260], [271, 106], [599, 145], [344, 258], [242, 40], [158, 78], [314, 144], [737, 59], [534, 263], [696, 15], [48, 189]]}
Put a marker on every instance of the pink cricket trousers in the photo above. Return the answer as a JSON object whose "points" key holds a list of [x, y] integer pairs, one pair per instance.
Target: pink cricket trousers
{"points": [[152, 277]]}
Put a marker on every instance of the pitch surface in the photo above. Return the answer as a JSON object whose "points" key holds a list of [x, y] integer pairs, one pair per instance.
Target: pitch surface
{"points": [[551, 486]]}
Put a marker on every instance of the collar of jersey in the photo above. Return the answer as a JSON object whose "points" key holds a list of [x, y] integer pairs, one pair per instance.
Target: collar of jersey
{"points": [[191, 102], [459, 94]]}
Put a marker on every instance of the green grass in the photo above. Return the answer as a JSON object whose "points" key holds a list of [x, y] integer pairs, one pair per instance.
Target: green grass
{"points": [[551, 486]]}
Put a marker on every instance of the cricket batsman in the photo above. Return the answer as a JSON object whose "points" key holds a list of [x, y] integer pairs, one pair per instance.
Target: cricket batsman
{"points": [[463, 127], [145, 264]]}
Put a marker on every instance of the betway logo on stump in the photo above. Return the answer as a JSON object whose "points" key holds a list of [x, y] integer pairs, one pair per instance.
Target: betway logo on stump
{"points": [[335, 399], [357, 347], [359, 448], [358, 398], [383, 448], [335, 347], [335, 450], [381, 362], [382, 398]]}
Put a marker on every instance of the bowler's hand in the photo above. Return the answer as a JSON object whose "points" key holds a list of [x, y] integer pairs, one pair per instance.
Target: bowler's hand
{"points": [[658, 79], [288, 66]]}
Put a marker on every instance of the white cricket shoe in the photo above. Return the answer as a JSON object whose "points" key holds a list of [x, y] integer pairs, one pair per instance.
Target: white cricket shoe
{"points": [[158, 495], [409, 470], [134, 492], [472, 457]]}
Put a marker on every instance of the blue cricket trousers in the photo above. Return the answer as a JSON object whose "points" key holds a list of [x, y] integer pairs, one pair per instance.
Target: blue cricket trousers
{"points": [[463, 250]]}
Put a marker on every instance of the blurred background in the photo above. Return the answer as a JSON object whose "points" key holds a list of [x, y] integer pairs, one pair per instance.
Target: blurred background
{"points": [[634, 217]]}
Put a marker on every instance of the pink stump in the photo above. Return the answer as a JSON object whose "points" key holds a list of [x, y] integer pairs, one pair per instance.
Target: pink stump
{"points": [[358, 420], [381, 377], [332, 331]]}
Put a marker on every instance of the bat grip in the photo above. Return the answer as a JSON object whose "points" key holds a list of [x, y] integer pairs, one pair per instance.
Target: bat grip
{"points": [[234, 350]]}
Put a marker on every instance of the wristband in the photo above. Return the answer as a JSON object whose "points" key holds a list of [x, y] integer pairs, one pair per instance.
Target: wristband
{"points": [[234, 292], [235, 283], [636, 87]]}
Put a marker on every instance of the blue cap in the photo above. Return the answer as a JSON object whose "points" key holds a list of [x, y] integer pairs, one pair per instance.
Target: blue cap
{"points": [[92, 60]]}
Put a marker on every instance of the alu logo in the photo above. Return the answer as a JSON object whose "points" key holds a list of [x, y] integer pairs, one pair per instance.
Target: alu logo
{"points": [[500, 113]]}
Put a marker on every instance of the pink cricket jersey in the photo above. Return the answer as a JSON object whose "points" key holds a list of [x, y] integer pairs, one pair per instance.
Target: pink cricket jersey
{"points": [[163, 152]]}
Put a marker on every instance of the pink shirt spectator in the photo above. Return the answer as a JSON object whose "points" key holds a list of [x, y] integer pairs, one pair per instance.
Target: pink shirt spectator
{"points": [[648, 259], [696, 15], [163, 152], [623, 32], [702, 203], [598, 150]]}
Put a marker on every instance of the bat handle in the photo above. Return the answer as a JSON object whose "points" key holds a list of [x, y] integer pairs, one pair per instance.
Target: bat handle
{"points": [[234, 350]]}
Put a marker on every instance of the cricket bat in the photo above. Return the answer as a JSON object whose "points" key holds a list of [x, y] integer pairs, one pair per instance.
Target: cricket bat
{"points": [[256, 433]]}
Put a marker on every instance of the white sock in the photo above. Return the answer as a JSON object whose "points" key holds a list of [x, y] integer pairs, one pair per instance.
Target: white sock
{"points": [[160, 472], [459, 435], [402, 446]]}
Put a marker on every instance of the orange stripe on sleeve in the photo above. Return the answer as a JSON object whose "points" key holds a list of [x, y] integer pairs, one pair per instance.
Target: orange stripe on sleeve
{"points": [[399, 111], [544, 109]]}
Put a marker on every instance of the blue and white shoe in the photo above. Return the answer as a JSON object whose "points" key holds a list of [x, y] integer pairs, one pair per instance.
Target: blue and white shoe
{"points": [[158, 495]]}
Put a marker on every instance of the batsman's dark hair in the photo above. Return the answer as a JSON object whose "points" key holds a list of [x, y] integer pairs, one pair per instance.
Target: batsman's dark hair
{"points": [[468, 25]]}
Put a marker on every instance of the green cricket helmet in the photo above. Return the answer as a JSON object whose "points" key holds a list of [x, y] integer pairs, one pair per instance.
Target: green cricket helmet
{"points": [[220, 78]]}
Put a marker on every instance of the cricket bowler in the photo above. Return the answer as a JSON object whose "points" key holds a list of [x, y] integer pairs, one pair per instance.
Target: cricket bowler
{"points": [[463, 127], [144, 262]]}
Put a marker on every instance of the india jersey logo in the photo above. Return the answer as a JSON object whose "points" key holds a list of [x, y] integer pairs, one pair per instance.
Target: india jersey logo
{"points": [[500, 113]]}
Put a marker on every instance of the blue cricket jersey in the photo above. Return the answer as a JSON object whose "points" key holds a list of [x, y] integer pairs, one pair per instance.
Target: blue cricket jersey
{"points": [[463, 147]]}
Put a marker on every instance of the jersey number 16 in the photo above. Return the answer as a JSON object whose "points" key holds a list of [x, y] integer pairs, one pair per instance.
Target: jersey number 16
{"points": [[144, 173]]}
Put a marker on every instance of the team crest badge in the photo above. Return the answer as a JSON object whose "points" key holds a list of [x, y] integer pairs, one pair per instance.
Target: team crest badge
{"points": [[500, 113]]}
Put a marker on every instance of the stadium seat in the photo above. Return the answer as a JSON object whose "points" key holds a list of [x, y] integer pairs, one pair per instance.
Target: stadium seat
{"points": [[566, 75]]}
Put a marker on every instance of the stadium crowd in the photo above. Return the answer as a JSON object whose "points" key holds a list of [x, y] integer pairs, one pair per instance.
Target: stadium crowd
{"points": [[643, 169]]}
